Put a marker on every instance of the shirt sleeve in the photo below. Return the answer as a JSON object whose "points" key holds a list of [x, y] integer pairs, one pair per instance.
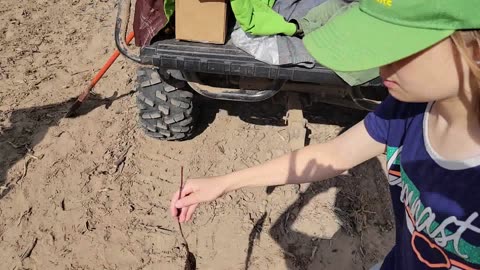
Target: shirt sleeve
{"points": [[389, 123], [378, 122]]}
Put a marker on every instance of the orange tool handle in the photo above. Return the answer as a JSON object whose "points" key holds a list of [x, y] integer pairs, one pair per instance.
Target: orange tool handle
{"points": [[109, 63]]}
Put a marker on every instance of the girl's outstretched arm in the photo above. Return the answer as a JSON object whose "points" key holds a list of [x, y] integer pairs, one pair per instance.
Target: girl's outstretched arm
{"points": [[309, 164]]}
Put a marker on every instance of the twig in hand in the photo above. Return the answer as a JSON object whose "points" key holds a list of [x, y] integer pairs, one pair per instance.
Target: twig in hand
{"points": [[179, 210], [29, 250], [191, 262]]}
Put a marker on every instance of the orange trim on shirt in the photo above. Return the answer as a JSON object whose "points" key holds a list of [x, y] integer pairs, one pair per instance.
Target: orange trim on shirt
{"points": [[462, 266], [447, 264], [396, 173], [433, 245]]}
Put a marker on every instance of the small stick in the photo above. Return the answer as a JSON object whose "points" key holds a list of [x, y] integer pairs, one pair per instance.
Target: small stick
{"points": [[180, 224], [314, 252], [15, 146], [78, 72], [121, 160], [44, 79], [25, 169], [191, 262], [25, 213], [35, 157], [29, 250]]}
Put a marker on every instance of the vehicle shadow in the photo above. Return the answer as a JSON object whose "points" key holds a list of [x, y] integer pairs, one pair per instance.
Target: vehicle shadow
{"points": [[27, 128], [269, 113], [362, 206]]}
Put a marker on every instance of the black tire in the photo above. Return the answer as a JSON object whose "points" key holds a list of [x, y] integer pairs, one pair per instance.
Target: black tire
{"points": [[166, 107]]}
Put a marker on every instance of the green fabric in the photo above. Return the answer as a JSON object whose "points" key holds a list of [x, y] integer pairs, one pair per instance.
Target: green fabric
{"points": [[358, 77], [320, 15], [257, 18], [169, 7], [378, 32]]}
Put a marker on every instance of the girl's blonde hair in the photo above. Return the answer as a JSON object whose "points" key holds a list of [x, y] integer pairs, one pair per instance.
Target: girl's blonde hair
{"points": [[463, 40]]}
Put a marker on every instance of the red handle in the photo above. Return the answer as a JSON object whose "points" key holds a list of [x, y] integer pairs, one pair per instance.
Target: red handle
{"points": [[109, 63]]}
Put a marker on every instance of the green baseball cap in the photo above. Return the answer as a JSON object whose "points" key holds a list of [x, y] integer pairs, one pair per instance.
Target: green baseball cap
{"points": [[374, 33]]}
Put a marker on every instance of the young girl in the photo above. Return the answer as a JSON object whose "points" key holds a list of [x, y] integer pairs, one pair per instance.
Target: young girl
{"points": [[429, 127]]}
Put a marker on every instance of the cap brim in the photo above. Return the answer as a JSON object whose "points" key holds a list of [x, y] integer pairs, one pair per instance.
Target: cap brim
{"points": [[354, 41]]}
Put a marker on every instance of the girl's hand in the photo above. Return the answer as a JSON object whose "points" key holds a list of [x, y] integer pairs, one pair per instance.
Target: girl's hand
{"points": [[194, 192]]}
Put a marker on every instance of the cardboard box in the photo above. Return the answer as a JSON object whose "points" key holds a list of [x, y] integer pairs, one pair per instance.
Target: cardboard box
{"points": [[201, 20]]}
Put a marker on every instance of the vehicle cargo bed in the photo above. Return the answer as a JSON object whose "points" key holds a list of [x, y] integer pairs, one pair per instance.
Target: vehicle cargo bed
{"points": [[229, 60]]}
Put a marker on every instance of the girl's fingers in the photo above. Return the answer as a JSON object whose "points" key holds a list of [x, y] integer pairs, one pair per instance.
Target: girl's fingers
{"points": [[173, 209], [190, 211], [183, 214], [193, 193], [187, 189], [190, 199]]}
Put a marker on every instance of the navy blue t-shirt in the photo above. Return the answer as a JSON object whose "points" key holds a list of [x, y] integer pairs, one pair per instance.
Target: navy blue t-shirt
{"points": [[436, 201]]}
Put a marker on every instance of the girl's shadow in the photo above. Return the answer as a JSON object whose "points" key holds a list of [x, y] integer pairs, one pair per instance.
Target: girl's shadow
{"points": [[363, 207]]}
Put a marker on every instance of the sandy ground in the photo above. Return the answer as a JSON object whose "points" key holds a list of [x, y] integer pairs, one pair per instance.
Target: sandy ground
{"points": [[64, 204]]}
